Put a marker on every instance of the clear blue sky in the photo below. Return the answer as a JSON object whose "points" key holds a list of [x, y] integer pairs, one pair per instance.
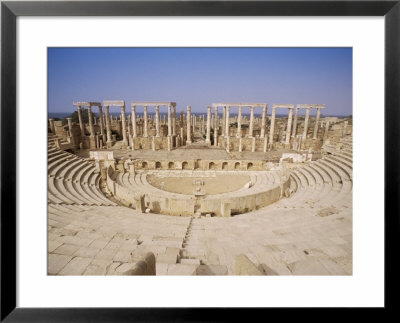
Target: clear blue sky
{"points": [[201, 76]]}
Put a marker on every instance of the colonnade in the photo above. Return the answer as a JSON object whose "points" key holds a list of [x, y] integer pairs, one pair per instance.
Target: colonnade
{"points": [[291, 127], [106, 135], [105, 130], [226, 117], [157, 105]]}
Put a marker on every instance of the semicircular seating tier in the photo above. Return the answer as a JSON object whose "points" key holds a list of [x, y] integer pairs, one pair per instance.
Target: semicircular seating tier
{"points": [[73, 180]]}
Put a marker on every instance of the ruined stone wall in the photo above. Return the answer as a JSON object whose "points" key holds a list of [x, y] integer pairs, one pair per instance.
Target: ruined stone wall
{"points": [[204, 164]]}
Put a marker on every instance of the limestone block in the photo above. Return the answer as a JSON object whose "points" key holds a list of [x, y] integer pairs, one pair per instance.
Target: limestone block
{"points": [[225, 209], [167, 258], [140, 203], [244, 266], [145, 265], [182, 269]]}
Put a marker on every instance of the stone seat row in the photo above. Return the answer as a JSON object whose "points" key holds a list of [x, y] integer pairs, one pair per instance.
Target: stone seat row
{"points": [[73, 180], [325, 182]]}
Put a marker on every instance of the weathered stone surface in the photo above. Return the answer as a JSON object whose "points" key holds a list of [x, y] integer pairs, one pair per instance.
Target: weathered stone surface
{"points": [[56, 262], [76, 266], [244, 266]]}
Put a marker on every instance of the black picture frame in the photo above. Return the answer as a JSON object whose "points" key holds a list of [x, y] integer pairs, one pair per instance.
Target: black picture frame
{"points": [[10, 10]]}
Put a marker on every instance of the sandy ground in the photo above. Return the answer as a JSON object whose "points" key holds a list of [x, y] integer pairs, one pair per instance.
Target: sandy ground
{"points": [[212, 185]]}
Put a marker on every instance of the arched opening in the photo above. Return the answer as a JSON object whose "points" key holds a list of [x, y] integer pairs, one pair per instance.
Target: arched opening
{"points": [[225, 165], [237, 165], [249, 165], [144, 165], [158, 164], [170, 165], [185, 165], [211, 165]]}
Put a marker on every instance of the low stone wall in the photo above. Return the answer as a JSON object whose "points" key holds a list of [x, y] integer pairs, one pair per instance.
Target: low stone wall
{"points": [[244, 203], [184, 205], [179, 206]]}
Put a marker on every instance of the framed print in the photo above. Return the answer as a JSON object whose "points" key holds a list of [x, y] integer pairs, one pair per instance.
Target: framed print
{"points": [[183, 155]]}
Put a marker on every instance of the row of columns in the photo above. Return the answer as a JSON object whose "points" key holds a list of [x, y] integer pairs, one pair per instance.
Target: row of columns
{"points": [[290, 129], [226, 119], [172, 122], [121, 104]]}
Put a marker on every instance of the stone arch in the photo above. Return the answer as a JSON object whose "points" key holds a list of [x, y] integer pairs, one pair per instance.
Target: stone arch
{"points": [[144, 164], [237, 165], [249, 165], [211, 165], [171, 165], [225, 165], [158, 165], [185, 165]]}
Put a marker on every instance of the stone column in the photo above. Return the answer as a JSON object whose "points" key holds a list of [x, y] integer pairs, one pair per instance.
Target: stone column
{"points": [[81, 125], [123, 119], [271, 129], [263, 119], [253, 144], [227, 121], [215, 126], [90, 116], [134, 129], [240, 144], [208, 134], [265, 143], [295, 123], [188, 126], [169, 121], [157, 121], [174, 120], [306, 123], [69, 120], [103, 135], [316, 123], [289, 126], [239, 123], [169, 142], [145, 118], [223, 121], [52, 127], [251, 121], [108, 123]]}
